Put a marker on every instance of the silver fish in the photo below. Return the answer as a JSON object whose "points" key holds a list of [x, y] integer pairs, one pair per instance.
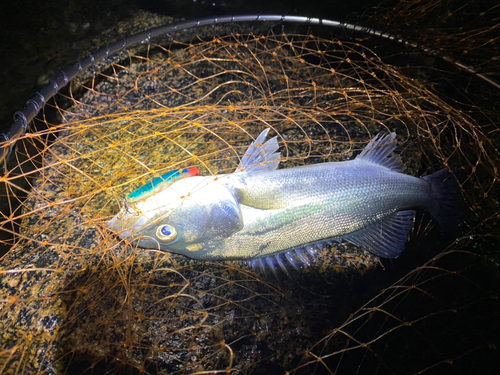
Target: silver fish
{"points": [[259, 212]]}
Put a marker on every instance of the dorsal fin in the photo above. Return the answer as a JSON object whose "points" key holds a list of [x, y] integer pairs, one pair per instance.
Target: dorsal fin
{"points": [[260, 156], [378, 151], [160, 183]]}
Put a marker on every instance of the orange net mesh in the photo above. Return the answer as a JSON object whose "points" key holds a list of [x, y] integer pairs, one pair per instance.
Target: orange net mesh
{"points": [[76, 298]]}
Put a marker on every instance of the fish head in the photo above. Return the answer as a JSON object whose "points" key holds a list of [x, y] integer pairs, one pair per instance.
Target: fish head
{"points": [[182, 218]]}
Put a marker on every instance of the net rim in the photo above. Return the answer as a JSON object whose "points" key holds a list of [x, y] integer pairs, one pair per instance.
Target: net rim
{"points": [[22, 118]]}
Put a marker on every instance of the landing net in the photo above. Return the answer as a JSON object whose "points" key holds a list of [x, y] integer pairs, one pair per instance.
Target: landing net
{"points": [[76, 298]]}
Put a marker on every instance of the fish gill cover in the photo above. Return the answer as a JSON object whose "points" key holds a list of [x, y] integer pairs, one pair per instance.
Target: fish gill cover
{"points": [[76, 298]]}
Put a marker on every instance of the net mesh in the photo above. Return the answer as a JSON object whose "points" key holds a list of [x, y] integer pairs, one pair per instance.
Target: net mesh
{"points": [[76, 298]]}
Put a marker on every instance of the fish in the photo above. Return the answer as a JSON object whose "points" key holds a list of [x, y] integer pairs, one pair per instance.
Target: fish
{"points": [[274, 217]]}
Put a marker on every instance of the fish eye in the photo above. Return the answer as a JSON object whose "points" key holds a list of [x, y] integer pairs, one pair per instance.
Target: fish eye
{"points": [[166, 233]]}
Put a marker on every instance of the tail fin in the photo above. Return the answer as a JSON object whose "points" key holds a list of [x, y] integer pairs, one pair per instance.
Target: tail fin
{"points": [[445, 201]]}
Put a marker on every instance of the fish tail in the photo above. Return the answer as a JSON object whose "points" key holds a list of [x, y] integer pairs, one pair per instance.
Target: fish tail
{"points": [[445, 201]]}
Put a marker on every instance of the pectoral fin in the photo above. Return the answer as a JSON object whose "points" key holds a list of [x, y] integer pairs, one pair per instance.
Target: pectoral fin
{"points": [[271, 199]]}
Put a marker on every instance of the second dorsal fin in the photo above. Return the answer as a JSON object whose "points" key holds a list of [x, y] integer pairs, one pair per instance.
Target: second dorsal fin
{"points": [[378, 151]]}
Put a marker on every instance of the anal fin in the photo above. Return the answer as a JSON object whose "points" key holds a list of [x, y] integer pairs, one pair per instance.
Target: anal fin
{"points": [[297, 258], [387, 237]]}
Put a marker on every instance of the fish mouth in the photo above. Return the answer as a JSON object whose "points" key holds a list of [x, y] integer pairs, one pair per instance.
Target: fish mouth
{"points": [[116, 224], [125, 223]]}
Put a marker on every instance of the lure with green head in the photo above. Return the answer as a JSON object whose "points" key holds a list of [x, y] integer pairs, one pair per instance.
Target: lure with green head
{"points": [[161, 183]]}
